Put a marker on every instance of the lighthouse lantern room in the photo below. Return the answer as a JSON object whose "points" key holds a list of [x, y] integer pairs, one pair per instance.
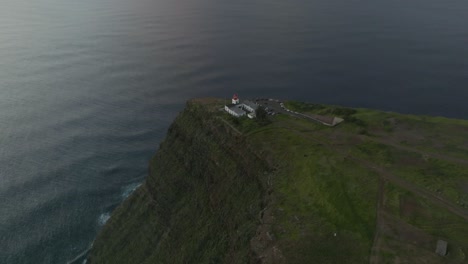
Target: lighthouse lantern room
{"points": [[235, 99]]}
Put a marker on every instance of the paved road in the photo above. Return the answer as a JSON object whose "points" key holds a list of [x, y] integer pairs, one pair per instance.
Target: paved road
{"points": [[277, 106], [272, 105]]}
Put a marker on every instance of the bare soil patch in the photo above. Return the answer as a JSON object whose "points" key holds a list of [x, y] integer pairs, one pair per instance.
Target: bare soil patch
{"points": [[263, 244], [400, 242], [409, 207]]}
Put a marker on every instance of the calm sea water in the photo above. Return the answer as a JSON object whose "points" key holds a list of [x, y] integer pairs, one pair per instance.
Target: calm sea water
{"points": [[88, 88]]}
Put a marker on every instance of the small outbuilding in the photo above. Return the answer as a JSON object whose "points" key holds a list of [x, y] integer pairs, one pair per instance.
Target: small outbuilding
{"points": [[251, 115], [441, 248], [249, 106]]}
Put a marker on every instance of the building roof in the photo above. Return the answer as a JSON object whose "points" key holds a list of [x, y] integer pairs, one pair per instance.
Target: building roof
{"points": [[236, 109], [250, 104], [441, 247]]}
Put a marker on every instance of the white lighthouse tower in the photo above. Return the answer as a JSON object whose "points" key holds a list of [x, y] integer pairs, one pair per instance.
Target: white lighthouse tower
{"points": [[235, 99]]}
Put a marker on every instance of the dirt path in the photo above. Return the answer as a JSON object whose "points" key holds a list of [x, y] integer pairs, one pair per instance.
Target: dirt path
{"points": [[376, 245], [230, 125], [441, 201], [424, 153], [436, 199], [385, 176], [383, 140]]}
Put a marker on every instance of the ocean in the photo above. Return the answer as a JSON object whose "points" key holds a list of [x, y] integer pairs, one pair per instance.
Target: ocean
{"points": [[88, 89]]}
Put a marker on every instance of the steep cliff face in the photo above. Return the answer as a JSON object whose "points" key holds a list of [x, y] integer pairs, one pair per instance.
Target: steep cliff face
{"points": [[199, 204]]}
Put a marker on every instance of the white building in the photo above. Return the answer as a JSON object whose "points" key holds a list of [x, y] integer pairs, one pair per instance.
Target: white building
{"points": [[238, 109], [249, 106], [235, 110]]}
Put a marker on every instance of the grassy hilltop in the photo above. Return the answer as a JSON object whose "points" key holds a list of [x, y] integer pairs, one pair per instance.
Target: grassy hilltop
{"points": [[379, 187]]}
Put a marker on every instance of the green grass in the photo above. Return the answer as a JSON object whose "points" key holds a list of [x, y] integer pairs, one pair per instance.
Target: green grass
{"points": [[432, 219], [316, 169], [320, 193], [437, 175], [244, 124], [208, 184]]}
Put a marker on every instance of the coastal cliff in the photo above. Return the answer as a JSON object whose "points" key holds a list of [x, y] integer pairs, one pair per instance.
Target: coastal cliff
{"points": [[381, 187], [200, 202]]}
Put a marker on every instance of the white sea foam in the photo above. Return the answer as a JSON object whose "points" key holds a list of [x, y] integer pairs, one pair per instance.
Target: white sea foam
{"points": [[127, 190], [103, 218], [81, 256]]}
